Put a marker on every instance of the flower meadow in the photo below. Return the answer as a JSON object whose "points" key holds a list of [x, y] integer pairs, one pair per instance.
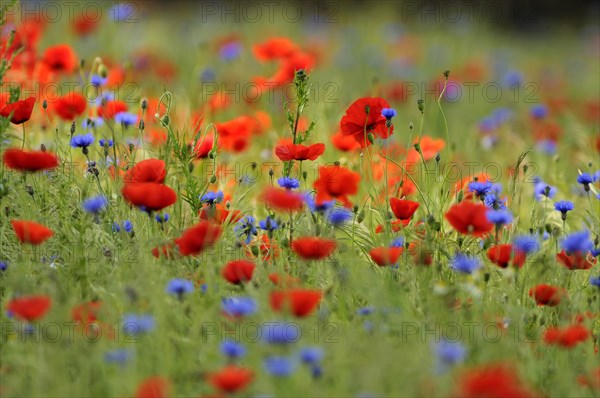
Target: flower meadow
{"points": [[198, 199]]}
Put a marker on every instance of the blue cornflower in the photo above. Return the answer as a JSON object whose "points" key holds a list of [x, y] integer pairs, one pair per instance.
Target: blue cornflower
{"points": [[564, 206], [464, 263], [546, 146], [230, 51], [95, 204], [134, 324], [212, 198], [116, 227], [585, 179], [314, 208], [388, 113], [513, 79], [595, 252], [365, 310], [246, 226], [98, 81], [208, 75], [268, 224], [595, 281], [123, 12], [103, 142], [126, 119], [179, 287], [578, 242], [398, 242], [480, 188], [3, 265], [339, 216], [494, 201], [119, 356], [288, 183], [539, 111], [528, 244], [499, 217], [232, 349], [487, 124], [239, 306], [162, 218], [128, 226], [542, 189], [279, 366], [82, 141], [311, 355], [92, 122], [449, 353], [280, 332]]}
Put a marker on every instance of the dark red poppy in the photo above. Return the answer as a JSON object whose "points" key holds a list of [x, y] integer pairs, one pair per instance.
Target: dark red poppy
{"points": [[149, 196], [18, 159], [575, 261], [274, 48], [31, 232], [502, 255], [291, 151], [197, 238], [336, 182], [60, 58], [313, 247], [231, 379], [403, 209], [29, 308], [469, 218], [300, 302], [87, 312], [70, 106], [238, 271], [567, 337], [492, 381], [384, 256], [364, 115], [283, 200], [153, 387], [547, 294], [111, 108], [20, 110], [149, 170]]}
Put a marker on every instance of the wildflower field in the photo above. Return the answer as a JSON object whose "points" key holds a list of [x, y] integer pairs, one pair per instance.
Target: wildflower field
{"points": [[278, 199]]}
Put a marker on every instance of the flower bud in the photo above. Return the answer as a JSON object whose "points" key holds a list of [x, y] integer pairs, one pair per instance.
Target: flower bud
{"points": [[420, 105], [213, 179]]}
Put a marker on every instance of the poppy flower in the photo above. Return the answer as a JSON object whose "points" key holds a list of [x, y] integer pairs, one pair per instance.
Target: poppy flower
{"points": [[150, 196], [231, 379], [31, 232], [336, 182], [29, 308], [567, 337], [313, 247], [383, 256], [149, 170], [219, 214], [576, 260], [204, 146], [344, 143], [283, 199], [60, 58], [274, 48], [501, 255], [469, 218], [197, 238], [300, 302], [547, 294], [291, 151], [238, 271], [165, 251], [70, 106], [364, 117], [430, 147], [396, 225], [83, 26], [492, 381], [20, 160], [286, 280], [403, 209], [111, 108], [20, 110], [153, 387]]}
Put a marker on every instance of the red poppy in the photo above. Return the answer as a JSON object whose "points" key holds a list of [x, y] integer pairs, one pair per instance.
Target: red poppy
{"points": [[204, 146], [231, 378], [83, 25], [547, 294], [111, 108], [576, 260], [165, 251], [501, 255], [492, 381], [153, 387], [29, 161], [234, 135], [150, 196], [274, 48], [345, 143], [60, 58], [149, 170], [567, 337], [286, 280], [313, 247], [70, 106], [365, 115], [403, 209], [336, 182], [383, 256], [31, 232], [300, 302], [197, 238], [288, 68], [20, 110], [238, 271], [469, 218], [283, 200], [396, 225], [219, 214], [29, 308], [430, 147], [291, 151]]}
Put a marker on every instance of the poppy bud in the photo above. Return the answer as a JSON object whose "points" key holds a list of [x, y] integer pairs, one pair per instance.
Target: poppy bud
{"points": [[43, 148], [437, 157], [191, 167], [304, 175], [355, 209], [486, 277], [73, 128], [361, 216], [271, 172], [82, 63], [367, 109], [411, 126], [254, 250], [165, 120], [45, 104], [142, 125], [227, 204], [461, 194], [371, 138], [131, 148], [213, 179], [420, 105]]}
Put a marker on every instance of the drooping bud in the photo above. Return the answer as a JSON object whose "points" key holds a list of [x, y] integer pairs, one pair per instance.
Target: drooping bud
{"points": [[213, 179], [420, 105], [371, 138]]}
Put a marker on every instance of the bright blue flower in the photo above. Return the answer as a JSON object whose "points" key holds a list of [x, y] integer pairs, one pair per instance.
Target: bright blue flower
{"points": [[311, 355], [279, 366], [499, 217], [595, 281], [542, 189], [314, 208], [98, 81], [564, 206], [212, 197], [449, 353], [246, 226], [134, 324], [162, 218], [230, 51], [123, 12], [339, 216], [119, 356], [95, 204], [239, 306], [82, 141], [3, 265], [268, 224], [288, 183], [116, 227], [539, 111], [595, 252], [480, 188], [102, 141], [585, 179], [513, 79], [398, 242], [365, 310], [464, 263], [494, 201], [388, 113], [528, 244], [280, 333], [578, 242], [126, 119], [179, 287], [232, 349], [127, 226]]}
